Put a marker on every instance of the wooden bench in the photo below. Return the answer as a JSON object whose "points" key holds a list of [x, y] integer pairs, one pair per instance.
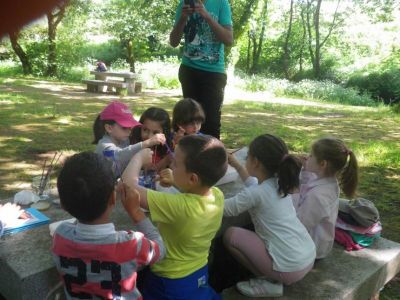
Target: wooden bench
{"points": [[97, 86], [356, 275]]}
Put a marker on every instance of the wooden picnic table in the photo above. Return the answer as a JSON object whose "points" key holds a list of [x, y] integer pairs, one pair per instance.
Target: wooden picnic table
{"points": [[106, 81]]}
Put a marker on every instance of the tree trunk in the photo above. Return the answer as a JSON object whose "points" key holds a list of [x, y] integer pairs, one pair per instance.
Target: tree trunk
{"points": [[131, 58], [248, 52], [53, 19], [239, 26], [303, 40], [317, 60], [261, 37], [26, 64], [286, 54]]}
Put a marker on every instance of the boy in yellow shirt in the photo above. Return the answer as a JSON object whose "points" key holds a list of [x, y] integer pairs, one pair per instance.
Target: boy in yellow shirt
{"points": [[187, 221]]}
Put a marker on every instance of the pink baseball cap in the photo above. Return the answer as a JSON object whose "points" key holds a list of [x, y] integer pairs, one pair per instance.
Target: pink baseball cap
{"points": [[120, 113]]}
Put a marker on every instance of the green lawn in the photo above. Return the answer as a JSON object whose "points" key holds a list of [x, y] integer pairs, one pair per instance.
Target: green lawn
{"points": [[38, 118]]}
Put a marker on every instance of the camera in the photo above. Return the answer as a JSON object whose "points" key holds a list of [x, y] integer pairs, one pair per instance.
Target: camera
{"points": [[191, 3]]}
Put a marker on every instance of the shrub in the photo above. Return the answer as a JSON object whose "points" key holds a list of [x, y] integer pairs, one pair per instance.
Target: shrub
{"points": [[308, 89]]}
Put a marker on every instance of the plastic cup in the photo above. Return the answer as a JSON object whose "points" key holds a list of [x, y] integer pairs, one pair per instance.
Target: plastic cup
{"points": [[41, 187]]}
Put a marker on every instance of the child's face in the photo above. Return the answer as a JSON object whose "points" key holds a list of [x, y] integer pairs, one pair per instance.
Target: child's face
{"points": [[181, 176], [150, 128], [192, 127], [117, 132], [250, 165], [311, 164]]}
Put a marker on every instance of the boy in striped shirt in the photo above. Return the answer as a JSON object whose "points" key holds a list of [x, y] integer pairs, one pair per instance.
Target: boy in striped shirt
{"points": [[93, 259]]}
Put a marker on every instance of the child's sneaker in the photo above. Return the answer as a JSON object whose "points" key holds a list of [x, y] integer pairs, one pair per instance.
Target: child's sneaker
{"points": [[258, 287]]}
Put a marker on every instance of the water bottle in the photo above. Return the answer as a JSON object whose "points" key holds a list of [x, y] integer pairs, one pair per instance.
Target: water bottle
{"points": [[110, 155]]}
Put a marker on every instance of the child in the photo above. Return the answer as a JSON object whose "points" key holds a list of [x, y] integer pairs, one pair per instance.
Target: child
{"points": [[112, 129], [155, 121], [92, 258], [187, 118], [187, 221], [280, 251], [317, 205]]}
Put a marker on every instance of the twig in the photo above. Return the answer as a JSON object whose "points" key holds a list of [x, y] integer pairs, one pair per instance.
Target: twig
{"points": [[49, 170], [42, 176]]}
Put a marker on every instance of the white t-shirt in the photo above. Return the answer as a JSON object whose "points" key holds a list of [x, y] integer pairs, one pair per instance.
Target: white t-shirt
{"points": [[276, 223]]}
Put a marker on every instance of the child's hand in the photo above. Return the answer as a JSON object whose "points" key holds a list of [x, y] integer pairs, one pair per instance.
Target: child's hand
{"points": [[145, 156], [232, 160], [178, 135], [156, 139], [166, 178], [130, 199]]}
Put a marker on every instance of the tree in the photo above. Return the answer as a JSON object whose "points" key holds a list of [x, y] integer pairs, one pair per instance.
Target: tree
{"points": [[138, 23], [315, 40], [19, 51], [53, 20], [286, 54], [256, 38]]}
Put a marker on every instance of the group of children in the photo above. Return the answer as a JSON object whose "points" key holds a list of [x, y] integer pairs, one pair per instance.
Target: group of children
{"points": [[292, 202]]}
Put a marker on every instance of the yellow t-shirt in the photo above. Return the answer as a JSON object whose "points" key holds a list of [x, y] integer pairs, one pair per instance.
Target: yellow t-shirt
{"points": [[187, 224]]}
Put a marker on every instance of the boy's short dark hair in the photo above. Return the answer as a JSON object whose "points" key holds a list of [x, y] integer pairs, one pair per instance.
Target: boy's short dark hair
{"points": [[85, 184], [206, 156]]}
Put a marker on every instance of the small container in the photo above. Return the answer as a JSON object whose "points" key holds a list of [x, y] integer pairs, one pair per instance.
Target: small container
{"points": [[41, 187]]}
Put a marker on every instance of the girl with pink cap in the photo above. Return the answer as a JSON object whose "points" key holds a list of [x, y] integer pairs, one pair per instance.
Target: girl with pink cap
{"points": [[112, 129]]}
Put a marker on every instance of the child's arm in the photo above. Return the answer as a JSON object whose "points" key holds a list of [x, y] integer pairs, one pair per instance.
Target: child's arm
{"points": [[156, 139], [131, 174], [130, 199], [232, 160]]}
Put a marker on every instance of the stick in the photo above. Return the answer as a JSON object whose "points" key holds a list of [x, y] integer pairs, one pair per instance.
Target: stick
{"points": [[41, 177], [47, 175]]}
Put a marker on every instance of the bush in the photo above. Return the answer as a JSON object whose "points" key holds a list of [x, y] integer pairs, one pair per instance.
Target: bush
{"points": [[160, 74], [308, 89], [381, 85]]}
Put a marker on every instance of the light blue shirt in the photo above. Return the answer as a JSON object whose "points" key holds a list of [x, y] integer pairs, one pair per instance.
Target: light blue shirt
{"points": [[202, 49]]}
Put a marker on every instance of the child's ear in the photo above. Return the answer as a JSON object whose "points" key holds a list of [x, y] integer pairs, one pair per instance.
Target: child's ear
{"points": [[113, 198], [324, 164], [194, 179], [108, 128]]}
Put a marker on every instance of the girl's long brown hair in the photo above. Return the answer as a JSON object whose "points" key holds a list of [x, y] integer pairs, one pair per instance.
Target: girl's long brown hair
{"points": [[341, 162]]}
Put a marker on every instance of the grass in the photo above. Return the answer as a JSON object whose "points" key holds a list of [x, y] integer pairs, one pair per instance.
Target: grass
{"points": [[40, 117]]}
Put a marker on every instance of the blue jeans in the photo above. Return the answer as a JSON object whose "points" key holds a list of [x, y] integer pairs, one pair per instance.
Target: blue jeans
{"points": [[194, 286]]}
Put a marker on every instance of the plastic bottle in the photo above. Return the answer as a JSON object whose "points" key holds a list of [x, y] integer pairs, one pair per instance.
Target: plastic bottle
{"points": [[110, 155]]}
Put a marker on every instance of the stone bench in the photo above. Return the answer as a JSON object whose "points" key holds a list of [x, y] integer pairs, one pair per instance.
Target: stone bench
{"points": [[94, 85], [343, 275]]}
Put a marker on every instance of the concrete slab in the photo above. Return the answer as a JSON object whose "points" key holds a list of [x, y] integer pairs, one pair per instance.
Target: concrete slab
{"points": [[27, 269], [356, 275]]}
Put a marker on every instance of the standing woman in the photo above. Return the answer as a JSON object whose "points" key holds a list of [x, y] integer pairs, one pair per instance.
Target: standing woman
{"points": [[207, 27]]}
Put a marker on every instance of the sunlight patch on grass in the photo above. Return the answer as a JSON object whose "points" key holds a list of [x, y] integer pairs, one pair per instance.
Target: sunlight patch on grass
{"points": [[64, 120]]}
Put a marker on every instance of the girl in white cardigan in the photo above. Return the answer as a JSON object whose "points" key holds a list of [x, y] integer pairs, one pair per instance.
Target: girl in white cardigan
{"points": [[329, 165], [280, 251]]}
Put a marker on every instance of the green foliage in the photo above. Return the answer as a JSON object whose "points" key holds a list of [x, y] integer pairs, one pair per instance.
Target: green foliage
{"points": [[160, 74], [308, 89], [382, 81]]}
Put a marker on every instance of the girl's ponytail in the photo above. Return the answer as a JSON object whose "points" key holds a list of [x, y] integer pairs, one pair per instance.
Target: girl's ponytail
{"points": [[349, 176], [98, 130], [288, 174], [272, 152], [342, 162]]}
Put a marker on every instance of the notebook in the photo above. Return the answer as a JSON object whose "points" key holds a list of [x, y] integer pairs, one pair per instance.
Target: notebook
{"points": [[35, 219]]}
